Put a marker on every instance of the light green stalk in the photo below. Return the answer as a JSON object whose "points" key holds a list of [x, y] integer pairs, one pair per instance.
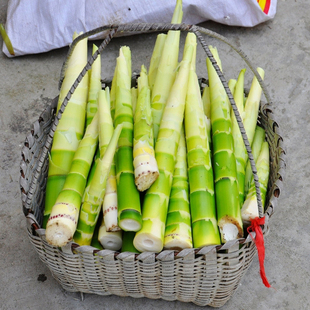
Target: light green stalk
{"points": [[166, 70], [201, 182], [134, 96], [224, 162], [129, 209], [155, 205], [192, 41], [6, 40], [88, 183], [249, 210], [113, 93], [94, 87], [206, 101], [232, 84], [106, 129], [70, 128], [94, 241], [239, 146], [178, 232], [92, 105], [93, 167], [62, 222], [145, 165], [127, 54], [251, 108], [258, 140], [155, 59], [127, 245], [95, 193], [207, 111]]}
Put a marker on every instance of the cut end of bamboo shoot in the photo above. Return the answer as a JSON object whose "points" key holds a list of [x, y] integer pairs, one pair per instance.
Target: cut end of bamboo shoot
{"points": [[59, 233], [151, 237], [130, 220], [144, 181], [146, 172], [130, 225], [110, 240], [230, 229], [249, 209], [229, 232], [145, 242], [62, 224]]}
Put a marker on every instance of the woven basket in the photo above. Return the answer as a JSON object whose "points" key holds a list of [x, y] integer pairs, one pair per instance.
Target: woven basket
{"points": [[206, 276]]}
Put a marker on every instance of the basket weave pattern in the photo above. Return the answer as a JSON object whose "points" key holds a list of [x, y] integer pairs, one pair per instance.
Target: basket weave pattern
{"points": [[207, 276]]}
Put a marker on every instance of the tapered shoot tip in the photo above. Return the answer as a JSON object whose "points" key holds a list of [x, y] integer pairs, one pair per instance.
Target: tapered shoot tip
{"points": [[178, 13]]}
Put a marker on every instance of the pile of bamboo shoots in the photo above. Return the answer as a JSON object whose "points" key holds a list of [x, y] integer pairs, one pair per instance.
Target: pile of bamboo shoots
{"points": [[158, 166]]}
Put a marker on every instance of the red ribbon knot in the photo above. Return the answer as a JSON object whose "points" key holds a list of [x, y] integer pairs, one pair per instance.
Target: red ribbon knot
{"points": [[259, 242]]}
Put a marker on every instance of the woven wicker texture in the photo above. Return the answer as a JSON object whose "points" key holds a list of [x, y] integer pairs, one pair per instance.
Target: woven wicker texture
{"points": [[207, 276]]}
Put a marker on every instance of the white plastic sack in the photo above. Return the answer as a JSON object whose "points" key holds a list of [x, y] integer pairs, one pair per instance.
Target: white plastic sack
{"points": [[38, 26]]}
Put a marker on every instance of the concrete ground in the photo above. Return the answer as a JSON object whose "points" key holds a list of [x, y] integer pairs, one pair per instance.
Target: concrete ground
{"points": [[282, 48]]}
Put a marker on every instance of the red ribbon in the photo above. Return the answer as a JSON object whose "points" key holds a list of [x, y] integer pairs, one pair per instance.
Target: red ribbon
{"points": [[259, 242]]}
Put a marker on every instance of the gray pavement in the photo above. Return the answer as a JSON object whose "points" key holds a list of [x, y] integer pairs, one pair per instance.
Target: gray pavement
{"points": [[282, 48]]}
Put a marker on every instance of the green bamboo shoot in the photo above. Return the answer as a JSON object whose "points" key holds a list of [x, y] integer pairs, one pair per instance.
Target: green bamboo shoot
{"points": [[93, 167], [62, 222], [178, 232], [259, 137], [249, 209], [70, 128], [166, 70], [224, 162], [251, 108], [239, 146], [156, 200], [106, 129], [155, 59], [201, 182], [95, 242], [134, 96], [145, 165], [127, 246], [113, 93], [94, 88], [206, 101], [78, 238], [232, 84], [129, 209], [95, 193], [207, 110]]}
